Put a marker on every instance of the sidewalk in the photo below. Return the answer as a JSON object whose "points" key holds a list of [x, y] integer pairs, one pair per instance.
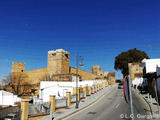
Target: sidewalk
{"points": [[83, 104], [153, 105]]}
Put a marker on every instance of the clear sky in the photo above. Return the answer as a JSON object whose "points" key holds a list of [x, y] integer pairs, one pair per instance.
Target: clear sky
{"points": [[97, 29]]}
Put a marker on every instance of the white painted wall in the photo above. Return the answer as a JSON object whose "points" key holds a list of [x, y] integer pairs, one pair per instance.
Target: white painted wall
{"points": [[59, 89], [137, 81], [7, 98], [151, 65]]}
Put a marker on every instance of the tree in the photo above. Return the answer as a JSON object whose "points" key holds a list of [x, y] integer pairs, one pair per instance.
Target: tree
{"points": [[15, 82], [130, 56]]}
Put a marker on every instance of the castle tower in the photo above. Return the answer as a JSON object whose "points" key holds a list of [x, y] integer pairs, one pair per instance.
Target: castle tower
{"points": [[17, 70], [58, 62], [18, 67], [96, 69]]}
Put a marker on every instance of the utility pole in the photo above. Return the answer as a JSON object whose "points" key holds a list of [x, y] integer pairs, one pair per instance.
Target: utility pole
{"points": [[77, 81], [131, 102]]}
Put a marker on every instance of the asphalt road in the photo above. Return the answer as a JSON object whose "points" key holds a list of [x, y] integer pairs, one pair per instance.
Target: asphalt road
{"points": [[111, 106]]}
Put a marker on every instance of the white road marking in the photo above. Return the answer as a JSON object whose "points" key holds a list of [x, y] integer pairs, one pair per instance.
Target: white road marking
{"points": [[117, 105]]}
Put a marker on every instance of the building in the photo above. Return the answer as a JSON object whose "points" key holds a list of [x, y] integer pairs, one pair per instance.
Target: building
{"points": [[135, 70]]}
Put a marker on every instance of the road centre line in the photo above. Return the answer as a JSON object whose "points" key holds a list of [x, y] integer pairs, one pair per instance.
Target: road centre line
{"points": [[117, 105]]}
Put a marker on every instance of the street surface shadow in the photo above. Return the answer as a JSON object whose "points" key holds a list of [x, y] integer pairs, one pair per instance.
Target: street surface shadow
{"points": [[92, 113], [155, 103], [58, 112]]}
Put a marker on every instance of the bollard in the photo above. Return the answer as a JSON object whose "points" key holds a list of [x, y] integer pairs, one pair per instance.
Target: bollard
{"points": [[105, 84], [78, 94], [93, 89], [68, 95], [52, 102], [101, 86], [84, 91], [74, 91], [96, 88], [90, 91], [86, 86], [24, 109]]}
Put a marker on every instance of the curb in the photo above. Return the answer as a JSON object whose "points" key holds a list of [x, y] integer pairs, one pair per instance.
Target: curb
{"points": [[146, 102], [84, 107]]}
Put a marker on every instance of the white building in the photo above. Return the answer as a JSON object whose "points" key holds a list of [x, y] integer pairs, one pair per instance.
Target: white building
{"points": [[151, 65], [7, 98]]}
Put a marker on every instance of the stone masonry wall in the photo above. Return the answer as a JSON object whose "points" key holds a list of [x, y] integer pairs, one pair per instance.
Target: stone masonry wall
{"points": [[134, 68], [35, 76], [58, 62], [84, 74]]}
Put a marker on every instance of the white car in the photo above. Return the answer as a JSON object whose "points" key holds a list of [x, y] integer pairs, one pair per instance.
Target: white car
{"points": [[120, 85]]}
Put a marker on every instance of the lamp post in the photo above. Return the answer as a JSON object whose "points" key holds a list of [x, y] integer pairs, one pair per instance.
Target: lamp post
{"points": [[77, 63]]}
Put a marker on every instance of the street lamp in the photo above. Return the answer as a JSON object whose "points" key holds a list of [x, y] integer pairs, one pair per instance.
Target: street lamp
{"points": [[78, 58]]}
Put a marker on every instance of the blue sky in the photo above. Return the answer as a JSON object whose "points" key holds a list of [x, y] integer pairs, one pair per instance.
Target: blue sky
{"points": [[97, 29]]}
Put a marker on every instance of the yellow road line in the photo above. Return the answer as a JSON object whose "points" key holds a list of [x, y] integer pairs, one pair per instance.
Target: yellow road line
{"points": [[87, 106]]}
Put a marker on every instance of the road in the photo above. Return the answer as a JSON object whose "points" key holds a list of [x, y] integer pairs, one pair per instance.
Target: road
{"points": [[111, 106]]}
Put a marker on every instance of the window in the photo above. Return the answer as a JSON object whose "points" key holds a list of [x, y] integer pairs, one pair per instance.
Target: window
{"points": [[53, 54], [66, 55]]}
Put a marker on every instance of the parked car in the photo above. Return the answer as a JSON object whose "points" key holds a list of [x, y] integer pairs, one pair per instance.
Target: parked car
{"points": [[120, 86], [11, 117]]}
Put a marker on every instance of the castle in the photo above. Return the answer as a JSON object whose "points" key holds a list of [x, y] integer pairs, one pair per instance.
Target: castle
{"points": [[58, 69]]}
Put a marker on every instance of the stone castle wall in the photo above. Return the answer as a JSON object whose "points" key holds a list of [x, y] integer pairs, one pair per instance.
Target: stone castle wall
{"points": [[35, 76], [84, 74], [134, 70]]}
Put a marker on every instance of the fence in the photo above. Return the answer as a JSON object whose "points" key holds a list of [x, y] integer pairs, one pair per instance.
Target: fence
{"points": [[92, 91], [87, 92], [61, 102], [81, 94], [73, 98]]}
